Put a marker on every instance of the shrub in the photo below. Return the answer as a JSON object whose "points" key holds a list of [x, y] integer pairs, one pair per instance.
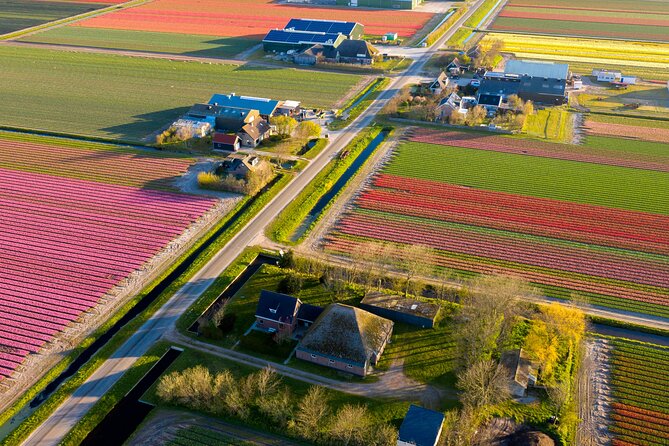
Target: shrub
{"points": [[291, 284]]}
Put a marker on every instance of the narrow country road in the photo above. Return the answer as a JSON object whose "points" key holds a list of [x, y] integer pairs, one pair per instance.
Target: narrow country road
{"points": [[54, 428]]}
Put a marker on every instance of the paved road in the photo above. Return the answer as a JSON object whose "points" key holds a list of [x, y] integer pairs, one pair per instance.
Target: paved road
{"points": [[74, 408]]}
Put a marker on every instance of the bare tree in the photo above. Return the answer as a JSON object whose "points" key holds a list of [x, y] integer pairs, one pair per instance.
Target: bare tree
{"points": [[414, 261], [490, 307], [483, 383], [350, 426], [311, 413]]}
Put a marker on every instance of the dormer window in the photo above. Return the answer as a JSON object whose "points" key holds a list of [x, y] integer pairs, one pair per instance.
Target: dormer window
{"points": [[272, 310]]}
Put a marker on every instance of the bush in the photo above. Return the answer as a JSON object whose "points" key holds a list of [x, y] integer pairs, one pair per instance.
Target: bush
{"points": [[291, 284]]}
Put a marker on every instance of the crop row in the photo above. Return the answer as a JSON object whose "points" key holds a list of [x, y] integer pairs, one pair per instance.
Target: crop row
{"points": [[534, 148], [641, 412], [65, 244], [107, 166], [514, 250], [342, 244]]}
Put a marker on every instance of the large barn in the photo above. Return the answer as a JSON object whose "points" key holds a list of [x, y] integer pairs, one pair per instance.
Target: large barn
{"points": [[301, 34]]}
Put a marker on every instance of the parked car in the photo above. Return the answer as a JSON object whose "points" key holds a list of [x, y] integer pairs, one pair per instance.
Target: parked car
{"points": [[475, 83]]}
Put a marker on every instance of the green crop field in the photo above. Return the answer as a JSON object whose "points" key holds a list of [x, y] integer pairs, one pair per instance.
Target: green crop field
{"points": [[131, 97], [170, 43], [649, 150], [542, 177], [632, 5], [624, 120], [20, 14]]}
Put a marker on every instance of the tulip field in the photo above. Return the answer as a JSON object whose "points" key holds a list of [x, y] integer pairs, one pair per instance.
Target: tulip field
{"points": [[72, 233], [563, 217], [640, 413], [249, 19], [642, 20]]}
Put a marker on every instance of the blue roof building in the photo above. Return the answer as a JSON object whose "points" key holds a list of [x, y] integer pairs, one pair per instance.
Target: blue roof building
{"points": [[351, 30], [266, 107], [421, 427]]}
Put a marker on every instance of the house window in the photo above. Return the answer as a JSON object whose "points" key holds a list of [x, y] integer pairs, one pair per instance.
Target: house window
{"points": [[313, 356], [261, 322], [331, 361], [280, 325]]}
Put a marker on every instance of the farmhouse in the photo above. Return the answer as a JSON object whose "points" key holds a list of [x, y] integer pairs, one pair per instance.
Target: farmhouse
{"points": [[421, 427], [283, 313], [345, 338], [357, 52], [439, 84], [519, 370], [401, 309], [540, 82], [448, 106], [238, 166]]}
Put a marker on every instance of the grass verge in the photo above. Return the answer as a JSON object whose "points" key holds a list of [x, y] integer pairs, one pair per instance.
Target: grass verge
{"points": [[283, 227], [66, 389], [362, 100]]}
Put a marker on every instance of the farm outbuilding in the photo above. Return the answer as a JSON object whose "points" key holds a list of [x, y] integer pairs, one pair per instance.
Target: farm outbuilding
{"points": [[519, 371], [282, 41], [226, 141], [345, 338], [401, 309], [351, 30], [421, 427]]}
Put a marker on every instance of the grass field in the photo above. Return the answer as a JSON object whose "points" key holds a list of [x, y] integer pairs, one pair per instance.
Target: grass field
{"points": [[551, 123], [158, 42], [541, 177], [18, 14], [609, 20], [647, 60], [109, 95]]}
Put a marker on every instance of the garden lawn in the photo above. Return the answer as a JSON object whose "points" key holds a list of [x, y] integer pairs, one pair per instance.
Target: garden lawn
{"points": [[541, 177], [20, 14], [124, 97], [552, 123], [157, 42], [429, 355]]}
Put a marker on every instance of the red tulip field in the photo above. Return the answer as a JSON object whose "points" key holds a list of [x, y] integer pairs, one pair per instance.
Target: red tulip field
{"points": [[640, 415], [546, 212], [66, 243]]}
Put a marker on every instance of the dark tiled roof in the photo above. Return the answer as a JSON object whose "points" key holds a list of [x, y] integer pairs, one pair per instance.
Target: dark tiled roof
{"points": [[421, 426], [499, 87], [276, 306], [490, 99], [356, 48], [308, 312], [347, 333]]}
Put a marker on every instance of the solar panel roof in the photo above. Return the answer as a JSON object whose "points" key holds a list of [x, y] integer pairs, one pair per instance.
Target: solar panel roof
{"points": [[284, 36], [321, 26]]}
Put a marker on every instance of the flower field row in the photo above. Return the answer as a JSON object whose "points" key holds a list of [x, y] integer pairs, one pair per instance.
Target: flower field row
{"points": [[627, 131], [640, 413], [464, 210], [538, 148], [647, 20], [66, 243], [127, 168], [246, 18]]}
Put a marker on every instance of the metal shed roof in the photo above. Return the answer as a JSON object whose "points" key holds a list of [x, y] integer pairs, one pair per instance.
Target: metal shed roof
{"points": [[537, 69], [321, 26]]}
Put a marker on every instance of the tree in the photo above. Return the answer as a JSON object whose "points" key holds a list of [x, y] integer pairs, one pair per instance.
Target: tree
{"points": [[311, 412], [285, 125], [350, 426], [475, 116], [490, 306], [483, 383], [257, 178], [542, 344], [308, 130], [414, 261]]}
